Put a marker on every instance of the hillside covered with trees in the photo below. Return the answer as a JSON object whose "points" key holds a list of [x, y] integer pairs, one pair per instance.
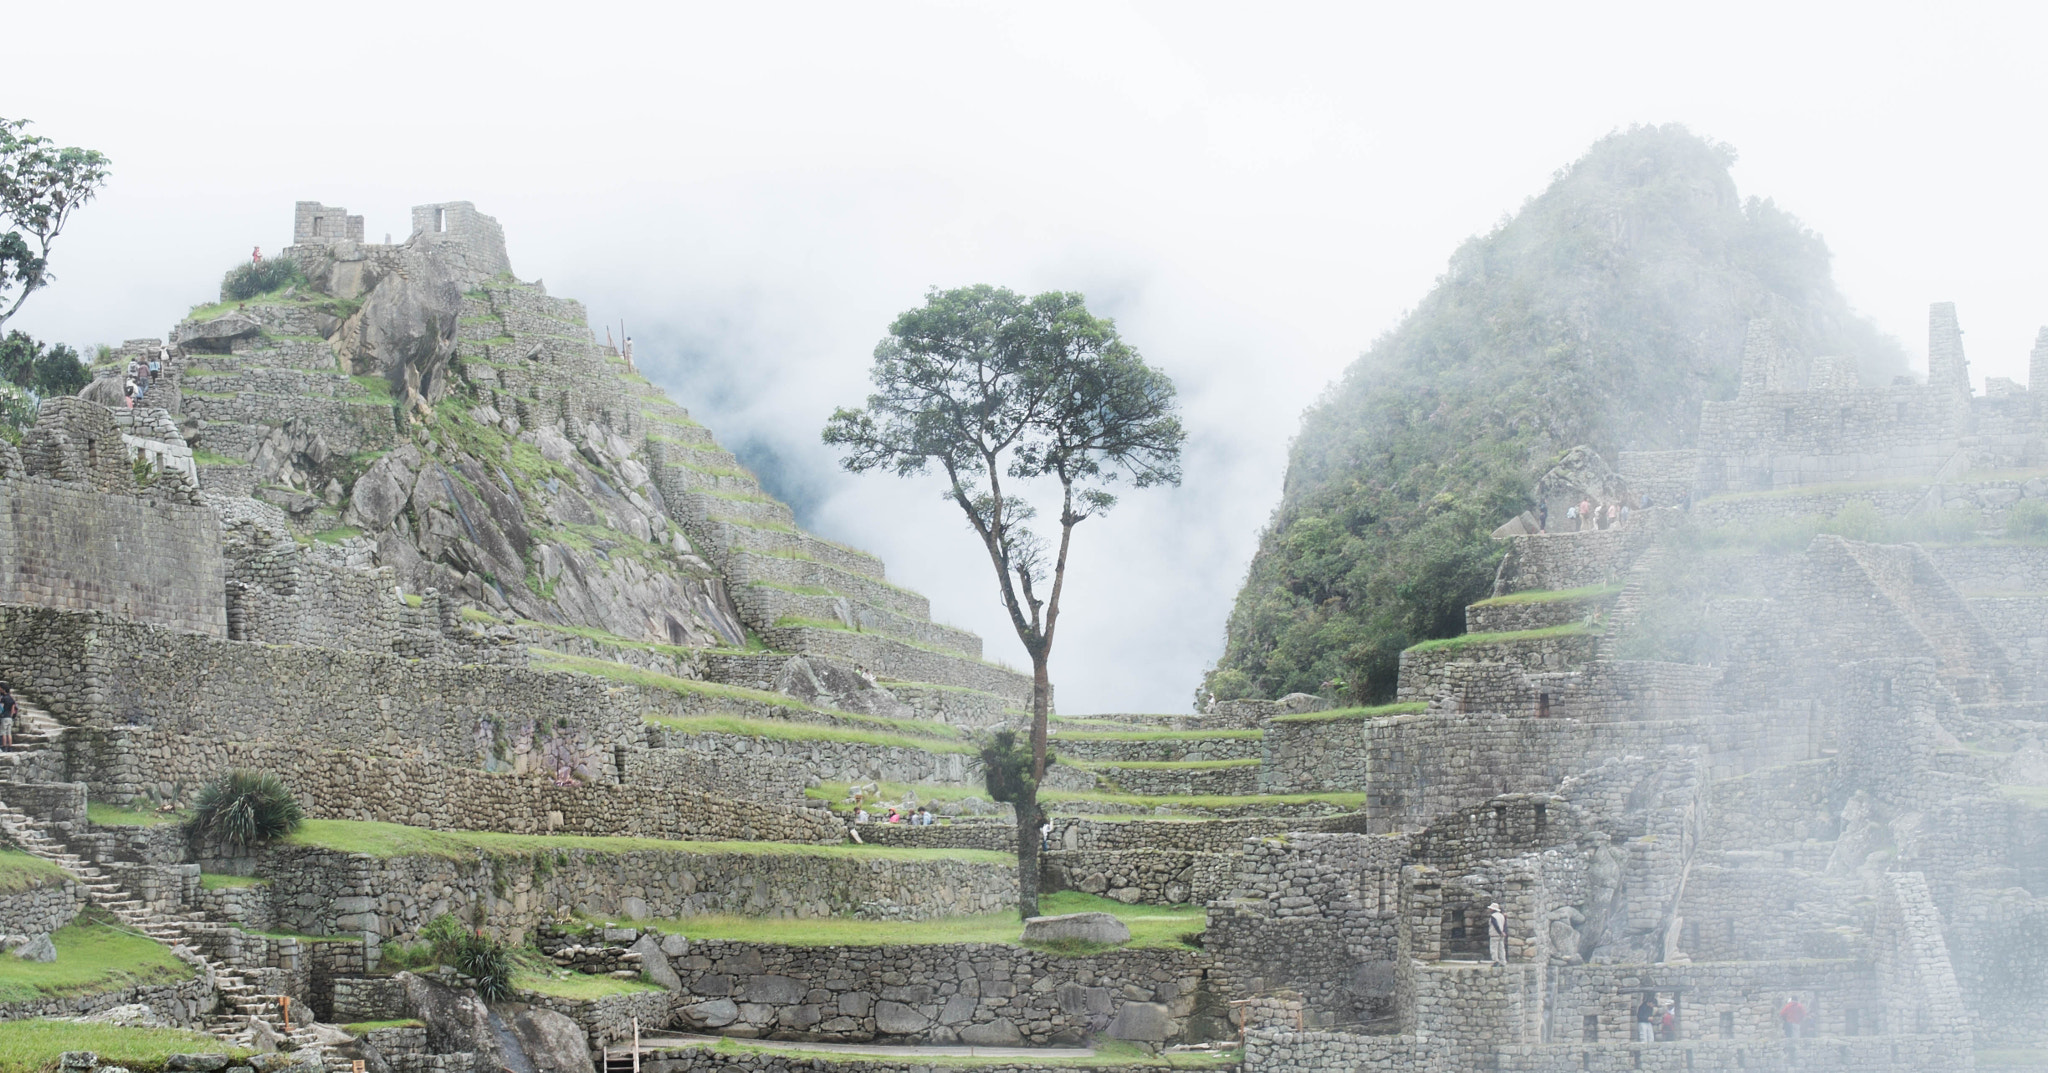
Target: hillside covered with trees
{"points": [[1604, 313]]}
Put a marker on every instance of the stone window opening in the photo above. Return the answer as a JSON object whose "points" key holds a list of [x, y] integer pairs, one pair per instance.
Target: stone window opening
{"points": [[1500, 819], [1542, 705], [1592, 1028], [440, 220], [1850, 1022], [1542, 818], [1727, 1024]]}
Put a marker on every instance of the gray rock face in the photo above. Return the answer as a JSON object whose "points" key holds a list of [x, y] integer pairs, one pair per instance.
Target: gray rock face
{"points": [[1084, 927], [456, 1020], [381, 492], [405, 330], [38, 948], [1001, 1032], [1149, 1022], [553, 1043], [218, 331], [897, 1019], [654, 962], [716, 1013], [831, 685], [105, 390]]}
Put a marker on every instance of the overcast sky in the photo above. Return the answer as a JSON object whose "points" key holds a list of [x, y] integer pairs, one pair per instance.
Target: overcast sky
{"points": [[1254, 192]]}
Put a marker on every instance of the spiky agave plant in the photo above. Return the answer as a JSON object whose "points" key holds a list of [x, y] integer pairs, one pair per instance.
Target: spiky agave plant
{"points": [[245, 807]]}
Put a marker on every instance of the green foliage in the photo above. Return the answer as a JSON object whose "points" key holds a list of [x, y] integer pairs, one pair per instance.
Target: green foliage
{"points": [[41, 185], [52, 370], [36, 1046], [2027, 520], [1006, 768], [1603, 313], [243, 808], [247, 280], [92, 956], [444, 940]]}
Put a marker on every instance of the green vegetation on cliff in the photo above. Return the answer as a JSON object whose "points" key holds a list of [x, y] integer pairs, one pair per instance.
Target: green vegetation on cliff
{"points": [[1603, 313]]}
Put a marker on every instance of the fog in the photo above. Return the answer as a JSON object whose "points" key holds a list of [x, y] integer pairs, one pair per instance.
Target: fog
{"points": [[1254, 193]]}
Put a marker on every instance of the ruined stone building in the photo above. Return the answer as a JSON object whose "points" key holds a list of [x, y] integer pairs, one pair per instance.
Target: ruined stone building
{"points": [[537, 654]]}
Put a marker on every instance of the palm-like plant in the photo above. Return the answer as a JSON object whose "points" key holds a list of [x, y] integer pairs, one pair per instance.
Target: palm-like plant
{"points": [[245, 807]]}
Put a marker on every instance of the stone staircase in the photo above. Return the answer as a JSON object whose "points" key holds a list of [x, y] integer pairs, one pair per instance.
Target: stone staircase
{"points": [[41, 734]]}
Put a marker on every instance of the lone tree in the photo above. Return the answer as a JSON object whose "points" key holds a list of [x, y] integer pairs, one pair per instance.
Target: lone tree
{"points": [[989, 386], [40, 185]]}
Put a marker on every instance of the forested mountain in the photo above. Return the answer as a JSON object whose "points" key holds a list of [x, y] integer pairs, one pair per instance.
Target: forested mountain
{"points": [[1604, 312]]}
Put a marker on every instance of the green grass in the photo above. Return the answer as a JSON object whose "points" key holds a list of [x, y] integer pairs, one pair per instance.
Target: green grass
{"points": [[337, 534], [1166, 765], [21, 871], [221, 881], [1152, 926], [2011, 1056], [397, 840], [116, 816], [1108, 1053], [549, 660], [376, 387], [2035, 796], [91, 957], [210, 458], [754, 523], [834, 794], [1157, 735], [1544, 596], [1569, 629], [35, 1046], [477, 614], [362, 1027], [577, 985], [780, 730], [1336, 714]]}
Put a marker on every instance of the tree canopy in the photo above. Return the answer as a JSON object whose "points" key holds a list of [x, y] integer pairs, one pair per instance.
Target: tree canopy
{"points": [[41, 184]]}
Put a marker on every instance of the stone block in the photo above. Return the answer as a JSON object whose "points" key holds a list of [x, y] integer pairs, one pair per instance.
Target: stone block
{"points": [[1082, 927]]}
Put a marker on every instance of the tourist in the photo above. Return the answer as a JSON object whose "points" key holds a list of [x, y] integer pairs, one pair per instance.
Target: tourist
{"points": [[1667, 1028], [1645, 504], [1623, 520], [7, 713], [1571, 514], [1543, 517], [1646, 1019], [894, 816], [626, 351], [1585, 512], [860, 814], [255, 255], [128, 393], [1793, 1014], [1496, 934], [156, 362], [1045, 834]]}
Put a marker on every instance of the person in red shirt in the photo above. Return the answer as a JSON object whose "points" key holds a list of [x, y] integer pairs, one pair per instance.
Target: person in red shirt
{"points": [[1793, 1014]]}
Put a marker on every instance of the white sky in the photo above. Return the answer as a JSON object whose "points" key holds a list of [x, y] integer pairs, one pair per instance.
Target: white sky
{"points": [[1254, 191]]}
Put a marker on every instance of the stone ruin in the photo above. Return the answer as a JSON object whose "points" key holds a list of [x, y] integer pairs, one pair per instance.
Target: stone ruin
{"points": [[450, 564]]}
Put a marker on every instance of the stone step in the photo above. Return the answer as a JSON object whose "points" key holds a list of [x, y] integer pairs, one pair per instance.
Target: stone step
{"points": [[888, 657], [745, 567], [722, 536], [768, 606]]}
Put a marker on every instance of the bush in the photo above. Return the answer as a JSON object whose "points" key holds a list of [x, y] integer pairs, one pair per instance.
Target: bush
{"points": [[245, 807], [2027, 520], [444, 941], [259, 277]]}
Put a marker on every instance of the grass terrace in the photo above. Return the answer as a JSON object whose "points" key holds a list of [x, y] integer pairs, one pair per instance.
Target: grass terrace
{"points": [[221, 881], [35, 1046], [1545, 596], [1338, 714], [778, 730], [361, 1027], [92, 956], [1164, 765], [107, 815], [833, 795], [1108, 1054], [397, 840], [1153, 927], [1570, 629], [561, 983], [21, 871]]}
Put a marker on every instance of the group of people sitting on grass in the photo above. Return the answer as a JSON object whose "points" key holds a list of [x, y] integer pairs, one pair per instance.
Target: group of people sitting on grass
{"points": [[921, 818]]}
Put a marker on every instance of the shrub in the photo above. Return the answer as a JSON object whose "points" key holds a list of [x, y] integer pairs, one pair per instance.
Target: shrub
{"points": [[259, 277], [245, 807], [2027, 520], [444, 941]]}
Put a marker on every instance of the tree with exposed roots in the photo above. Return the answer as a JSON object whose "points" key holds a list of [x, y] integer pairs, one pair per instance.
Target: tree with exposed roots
{"points": [[1000, 392], [41, 184]]}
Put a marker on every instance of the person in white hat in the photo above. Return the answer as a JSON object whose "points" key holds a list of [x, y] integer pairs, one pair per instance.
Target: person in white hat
{"points": [[1496, 934]]}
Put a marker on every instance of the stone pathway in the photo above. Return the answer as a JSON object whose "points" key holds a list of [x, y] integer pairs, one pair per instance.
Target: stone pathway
{"points": [[670, 1041]]}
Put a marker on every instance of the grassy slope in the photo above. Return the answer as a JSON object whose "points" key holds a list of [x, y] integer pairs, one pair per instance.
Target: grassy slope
{"points": [[834, 794], [1604, 313], [395, 840], [35, 1046], [91, 957], [20, 871]]}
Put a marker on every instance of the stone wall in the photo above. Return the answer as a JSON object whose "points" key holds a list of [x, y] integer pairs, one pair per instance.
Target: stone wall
{"points": [[835, 761], [976, 993], [706, 1060], [1313, 755], [1141, 876], [1779, 439], [1561, 560], [68, 546], [1738, 997], [325, 892], [181, 1003], [1426, 671], [1988, 569], [41, 909]]}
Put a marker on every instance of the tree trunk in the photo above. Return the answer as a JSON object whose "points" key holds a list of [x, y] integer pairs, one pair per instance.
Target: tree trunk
{"points": [[1027, 853]]}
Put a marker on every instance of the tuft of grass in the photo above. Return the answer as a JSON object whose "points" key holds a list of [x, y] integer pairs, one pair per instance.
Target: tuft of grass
{"points": [[92, 956], [222, 881], [35, 1046], [1159, 927], [477, 614], [337, 534], [20, 871], [1544, 596], [1165, 765], [1569, 629], [397, 840], [779, 730], [363, 1027], [211, 458], [834, 794], [1108, 1054], [1336, 714], [107, 815], [376, 387]]}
